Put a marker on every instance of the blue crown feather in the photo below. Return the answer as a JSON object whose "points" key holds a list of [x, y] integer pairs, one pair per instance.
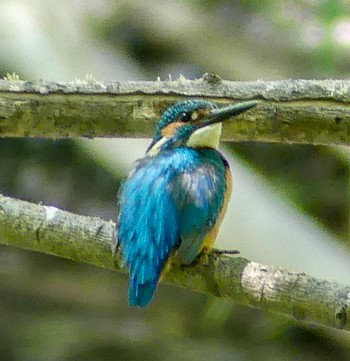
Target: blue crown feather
{"points": [[174, 112]]}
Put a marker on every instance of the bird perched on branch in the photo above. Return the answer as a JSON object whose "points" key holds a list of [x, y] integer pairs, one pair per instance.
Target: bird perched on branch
{"points": [[175, 198]]}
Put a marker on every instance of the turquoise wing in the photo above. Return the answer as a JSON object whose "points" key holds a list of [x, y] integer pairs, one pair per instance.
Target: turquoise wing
{"points": [[147, 227]]}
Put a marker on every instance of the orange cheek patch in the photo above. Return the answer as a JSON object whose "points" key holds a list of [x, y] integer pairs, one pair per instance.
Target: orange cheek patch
{"points": [[199, 114], [204, 113], [170, 129]]}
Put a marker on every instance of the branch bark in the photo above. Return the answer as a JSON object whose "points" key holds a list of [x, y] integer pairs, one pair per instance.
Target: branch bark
{"points": [[91, 240], [292, 111]]}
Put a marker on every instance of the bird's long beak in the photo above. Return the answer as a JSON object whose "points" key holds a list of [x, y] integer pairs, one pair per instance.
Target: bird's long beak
{"points": [[218, 115]]}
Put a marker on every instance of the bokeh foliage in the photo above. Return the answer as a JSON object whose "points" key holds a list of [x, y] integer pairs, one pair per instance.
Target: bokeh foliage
{"points": [[54, 309]]}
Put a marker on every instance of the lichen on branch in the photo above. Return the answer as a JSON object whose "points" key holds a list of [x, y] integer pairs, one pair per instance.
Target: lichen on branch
{"points": [[91, 240], [290, 111]]}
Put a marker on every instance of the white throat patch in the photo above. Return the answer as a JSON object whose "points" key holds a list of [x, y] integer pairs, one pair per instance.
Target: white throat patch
{"points": [[206, 137]]}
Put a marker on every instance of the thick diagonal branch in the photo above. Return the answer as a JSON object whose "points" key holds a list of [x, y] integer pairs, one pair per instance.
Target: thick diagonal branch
{"points": [[91, 240], [294, 111]]}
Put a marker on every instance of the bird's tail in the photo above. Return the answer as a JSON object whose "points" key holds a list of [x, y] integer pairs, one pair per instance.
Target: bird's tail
{"points": [[140, 294]]}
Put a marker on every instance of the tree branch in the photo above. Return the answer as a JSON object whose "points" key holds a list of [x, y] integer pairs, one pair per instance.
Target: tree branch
{"points": [[293, 111], [90, 240]]}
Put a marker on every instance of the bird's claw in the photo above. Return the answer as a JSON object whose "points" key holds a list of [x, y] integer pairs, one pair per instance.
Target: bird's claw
{"points": [[219, 252]]}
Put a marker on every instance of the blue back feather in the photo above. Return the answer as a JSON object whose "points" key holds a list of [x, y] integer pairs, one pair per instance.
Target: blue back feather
{"points": [[169, 202]]}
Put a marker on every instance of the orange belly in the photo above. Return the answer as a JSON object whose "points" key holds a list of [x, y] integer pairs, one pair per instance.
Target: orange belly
{"points": [[209, 239]]}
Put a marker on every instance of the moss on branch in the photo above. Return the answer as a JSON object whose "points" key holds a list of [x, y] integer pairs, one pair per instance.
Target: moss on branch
{"points": [[290, 111], [91, 240]]}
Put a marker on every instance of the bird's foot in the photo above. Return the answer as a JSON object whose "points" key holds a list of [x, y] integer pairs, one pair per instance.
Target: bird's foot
{"points": [[206, 254], [219, 252]]}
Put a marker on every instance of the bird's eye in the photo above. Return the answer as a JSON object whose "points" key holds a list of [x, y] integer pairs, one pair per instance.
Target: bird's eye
{"points": [[185, 117]]}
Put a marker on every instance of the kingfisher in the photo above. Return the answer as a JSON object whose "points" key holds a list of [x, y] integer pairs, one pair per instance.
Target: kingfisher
{"points": [[174, 199]]}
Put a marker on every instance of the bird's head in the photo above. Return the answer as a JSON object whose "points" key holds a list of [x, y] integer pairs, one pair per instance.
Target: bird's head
{"points": [[193, 123]]}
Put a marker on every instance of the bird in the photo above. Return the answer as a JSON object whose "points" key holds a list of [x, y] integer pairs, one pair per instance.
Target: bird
{"points": [[175, 197]]}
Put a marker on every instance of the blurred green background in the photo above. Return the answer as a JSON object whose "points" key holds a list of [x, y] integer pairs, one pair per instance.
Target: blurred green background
{"points": [[53, 309]]}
